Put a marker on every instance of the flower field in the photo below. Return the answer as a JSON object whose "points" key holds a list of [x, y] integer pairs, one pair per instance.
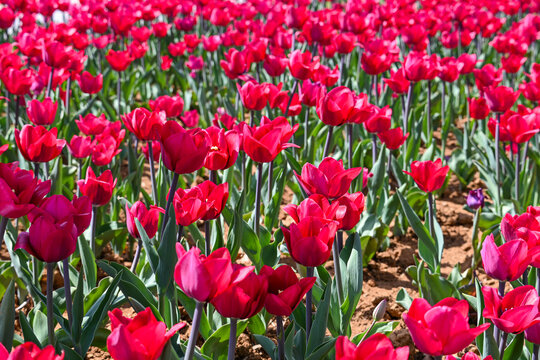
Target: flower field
{"points": [[269, 179]]}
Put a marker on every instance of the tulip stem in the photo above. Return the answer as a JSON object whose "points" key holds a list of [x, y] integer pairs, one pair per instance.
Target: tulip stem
{"points": [[497, 165], [518, 170], [337, 271], [207, 247], [49, 83], [431, 215], [68, 88], [475, 241], [258, 199], [3, 226], [17, 109], [232, 340], [118, 93], [270, 179], [309, 295], [93, 230], [50, 310], [328, 141], [340, 241], [429, 121], [152, 173], [535, 352], [194, 331], [295, 85], [373, 148], [67, 290], [180, 233], [350, 145], [502, 345], [306, 126], [137, 256], [280, 338], [172, 191]]}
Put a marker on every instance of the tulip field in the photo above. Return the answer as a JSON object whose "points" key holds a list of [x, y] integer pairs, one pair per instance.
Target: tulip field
{"points": [[269, 179]]}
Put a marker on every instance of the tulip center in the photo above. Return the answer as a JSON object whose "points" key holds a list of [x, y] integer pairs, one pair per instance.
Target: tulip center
{"points": [[214, 148]]}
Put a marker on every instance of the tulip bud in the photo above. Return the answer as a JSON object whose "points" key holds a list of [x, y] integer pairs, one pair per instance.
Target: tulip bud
{"points": [[475, 199], [380, 310]]}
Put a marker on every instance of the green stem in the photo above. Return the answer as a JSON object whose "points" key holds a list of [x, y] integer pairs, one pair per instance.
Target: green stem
{"points": [[497, 162], [431, 215]]}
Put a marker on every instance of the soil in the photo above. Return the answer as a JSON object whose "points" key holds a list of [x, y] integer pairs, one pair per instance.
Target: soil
{"points": [[384, 275]]}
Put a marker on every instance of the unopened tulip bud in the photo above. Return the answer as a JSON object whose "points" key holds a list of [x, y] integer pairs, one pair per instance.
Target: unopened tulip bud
{"points": [[380, 310]]}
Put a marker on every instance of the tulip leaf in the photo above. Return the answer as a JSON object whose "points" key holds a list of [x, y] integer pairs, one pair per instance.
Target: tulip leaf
{"points": [[404, 299], [216, 345], [514, 350], [89, 264], [250, 244], [256, 324], [167, 254], [78, 309], [427, 248], [189, 305], [236, 230], [150, 250], [7, 314], [268, 345], [27, 330], [379, 172], [321, 350], [318, 329]]}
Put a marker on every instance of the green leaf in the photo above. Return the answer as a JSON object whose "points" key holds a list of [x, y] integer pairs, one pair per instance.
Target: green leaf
{"points": [[256, 324], [514, 350], [318, 329], [89, 264], [7, 314], [78, 310], [427, 248], [267, 344], [321, 350], [384, 327], [167, 255], [28, 332], [216, 345], [150, 250], [403, 298]]}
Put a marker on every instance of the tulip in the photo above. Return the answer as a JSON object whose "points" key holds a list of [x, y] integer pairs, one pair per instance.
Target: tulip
{"points": [[470, 356], [264, 143], [91, 124], [467, 63], [55, 54], [98, 189], [29, 350], [142, 337], [514, 312], [375, 347], [330, 179], [301, 65], [478, 108], [393, 138], [190, 118], [17, 82], [42, 113], [224, 148], [177, 142], [119, 60], [379, 121], [487, 76], [144, 124], [506, 262], [235, 64], [105, 149], [475, 199], [148, 218], [254, 96], [38, 144], [398, 82], [90, 84], [500, 98], [353, 205], [172, 105], [430, 330], [428, 175], [339, 106], [81, 146], [275, 65]]}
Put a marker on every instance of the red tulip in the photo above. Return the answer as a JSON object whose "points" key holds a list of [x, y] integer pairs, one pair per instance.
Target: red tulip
{"points": [[156, 150], [190, 118], [41, 113], [487, 76], [340, 106], [98, 189], [20, 191], [469, 356], [330, 179], [144, 124], [310, 92], [345, 43], [223, 150], [301, 65], [531, 91], [205, 202], [172, 105], [7, 17], [166, 62], [521, 128], [393, 138], [478, 108], [378, 56], [398, 82], [501, 98], [467, 63], [105, 149], [245, 295], [449, 69], [428, 175], [141, 338], [17, 82], [235, 63], [380, 120], [183, 151], [285, 290], [119, 60], [254, 96], [275, 65], [200, 277], [90, 84], [91, 124], [29, 350], [352, 205], [148, 218], [506, 262], [160, 29], [512, 63], [375, 347], [442, 329], [513, 313], [262, 144], [418, 66], [310, 241], [55, 54], [4, 148], [37, 144]]}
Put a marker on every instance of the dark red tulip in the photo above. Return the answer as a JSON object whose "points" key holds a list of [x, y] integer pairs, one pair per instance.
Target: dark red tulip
{"points": [[200, 277], [478, 108], [119, 60], [330, 179], [38, 144], [514, 312], [148, 218], [142, 337], [90, 84], [245, 295], [500, 98], [310, 240], [41, 113], [20, 191], [55, 54], [183, 151], [285, 290], [91, 124], [144, 124], [223, 150], [98, 189], [428, 175], [172, 105], [393, 138]]}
